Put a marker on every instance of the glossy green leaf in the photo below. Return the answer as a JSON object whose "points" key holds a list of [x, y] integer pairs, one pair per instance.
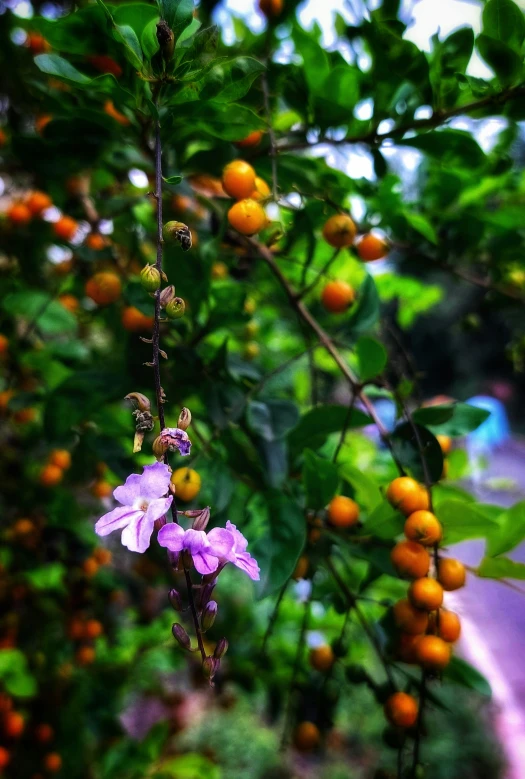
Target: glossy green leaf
{"points": [[367, 492], [278, 550], [318, 423], [452, 419], [461, 672], [509, 532], [272, 419], [411, 452], [500, 568], [463, 521], [173, 180], [454, 147], [384, 522], [504, 61], [422, 225], [321, 479], [48, 315], [178, 14], [372, 358], [504, 21], [365, 312]]}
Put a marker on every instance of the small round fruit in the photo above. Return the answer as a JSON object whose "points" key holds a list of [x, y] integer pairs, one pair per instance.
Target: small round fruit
{"points": [[65, 228], [451, 574], [53, 762], [104, 288], [301, 569], [23, 527], [251, 351], [406, 647], [19, 214], [175, 309], [424, 527], [135, 321], [37, 44], [70, 302], [51, 475], [41, 122], [445, 442], [339, 231], [343, 512], [447, 627], [95, 242], [250, 306], [306, 736], [426, 593], [322, 658], [14, 724], [25, 415], [44, 733], [5, 757], [407, 495], [251, 140], [219, 270], [370, 247], [187, 483], [105, 64], [251, 329], [433, 653], [247, 217], [85, 655], [102, 489], [61, 458], [261, 191], [409, 619], [4, 344], [38, 202], [93, 628], [401, 710], [102, 556], [410, 559], [238, 179], [337, 296], [90, 567]]}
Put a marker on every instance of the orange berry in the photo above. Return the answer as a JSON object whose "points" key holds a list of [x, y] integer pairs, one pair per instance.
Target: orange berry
{"points": [[445, 442], [4, 344], [3, 138], [51, 475], [75, 628], [61, 458], [5, 397], [337, 296], [187, 483], [115, 114], [6, 703], [261, 191], [62, 269], [38, 202], [102, 556], [447, 627], [410, 619], [306, 736], [37, 44], [14, 724], [96, 242], [19, 214], [93, 628], [401, 710], [5, 757], [343, 512], [41, 122], [426, 593], [451, 574], [104, 288], [65, 228], [424, 527], [70, 302], [44, 733], [90, 566], [271, 8], [247, 217], [23, 527], [407, 495], [252, 139], [238, 179], [301, 569], [433, 653], [219, 270], [135, 321], [105, 64], [322, 658], [339, 231], [25, 415], [53, 762], [102, 489], [370, 247], [410, 559], [406, 648], [85, 655]]}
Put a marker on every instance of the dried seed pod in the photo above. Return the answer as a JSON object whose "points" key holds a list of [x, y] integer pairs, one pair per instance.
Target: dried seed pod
{"points": [[139, 401], [180, 635], [178, 231], [184, 420], [167, 295], [201, 520]]}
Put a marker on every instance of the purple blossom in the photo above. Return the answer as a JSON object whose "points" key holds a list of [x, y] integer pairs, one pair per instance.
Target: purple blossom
{"points": [[175, 438], [236, 554], [143, 501], [197, 543]]}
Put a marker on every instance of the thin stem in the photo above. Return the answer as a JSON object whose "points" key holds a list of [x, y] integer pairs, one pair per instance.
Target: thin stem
{"points": [[344, 431], [196, 620], [273, 618], [295, 671], [158, 265], [321, 273]]}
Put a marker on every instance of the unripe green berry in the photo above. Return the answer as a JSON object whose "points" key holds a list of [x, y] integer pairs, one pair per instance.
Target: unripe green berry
{"points": [[175, 308], [150, 278]]}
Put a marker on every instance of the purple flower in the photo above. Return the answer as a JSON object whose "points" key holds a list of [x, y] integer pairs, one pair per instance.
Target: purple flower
{"points": [[237, 553], [143, 501], [196, 542], [175, 438]]}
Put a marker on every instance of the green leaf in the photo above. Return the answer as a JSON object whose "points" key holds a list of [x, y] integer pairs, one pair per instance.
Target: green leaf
{"points": [[128, 36], [422, 225], [138, 16], [372, 358], [500, 568], [405, 443], [510, 530], [178, 14], [453, 147], [228, 82], [272, 419], [61, 68], [321, 479], [365, 313], [462, 521], [317, 424], [15, 675], [47, 577], [503, 60], [452, 419], [190, 766], [190, 30], [278, 550], [148, 39], [461, 672], [174, 180], [48, 315], [367, 492], [504, 21], [315, 60], [384, 522]]}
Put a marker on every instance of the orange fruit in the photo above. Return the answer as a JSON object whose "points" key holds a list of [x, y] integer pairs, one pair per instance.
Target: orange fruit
{"points": [[370, 247], [38, 202], [252, 139], [410, 619], [433, 653], [69, 301], [322, 658], [61, 458], [343, 512], [301, 569], [219, 270], [401, 710], [51, 475], [105, 64], [424, 527], [41, 122], [445, 442], [14, 724], [261, 191], [37, 44], [135, 321], [410, 559], [23, 527], [104, 288], [187, 483], [451, 574], [5, 397], [247, 217], [306, 736], [339, 231], [44, 733], [93, 628], [90, 566], [337, 296], [63, 268], [447, 627], [238, 179], [426, 593], [407, 495], [115, 114], [406, 647], [78, 185], [53, 762], [75, 629], [102, 556], [25, 415], [102, 489], [65, 228], [85, 655], [6, 703], [96, 242], [5, 757], [4, 344], [3, 138], [19, 214]]}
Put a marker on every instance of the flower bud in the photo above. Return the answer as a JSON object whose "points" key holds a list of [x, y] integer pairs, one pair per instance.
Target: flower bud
{"points": [[175, 600], [139, 401], [209, 614], [180, 635], [201, 520], [178, 231], [184, 420], [159, 448], [150, 278], [221, 648], [210, 666], [175, 308], [167, 295], [166, 40], [204, 596]]}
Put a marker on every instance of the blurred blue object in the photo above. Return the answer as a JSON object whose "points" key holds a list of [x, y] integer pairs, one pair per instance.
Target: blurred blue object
{"points": [[494, 431]]}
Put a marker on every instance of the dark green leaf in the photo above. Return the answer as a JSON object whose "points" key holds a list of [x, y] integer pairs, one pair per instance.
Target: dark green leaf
{"points": [[278, 550], [510, 530], [367, 492], [384, 522], [407, 449], [321, 479], [365, 313], [500, 568], [173, 180], [503, 60], [48, 315], [272, 419], [461, 672], [178, 14], [454, 147], [462, 521], [318, 423], [452, 419], [372, 358], [504, 21]]}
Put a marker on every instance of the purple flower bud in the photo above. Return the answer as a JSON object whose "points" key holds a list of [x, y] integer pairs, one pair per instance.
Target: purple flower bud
{"points": [[209, 614], [210, 666], [201, 520], [205, 595], [174, 438], [175, 600], [180, 635], [167, 295], [221, 648]]}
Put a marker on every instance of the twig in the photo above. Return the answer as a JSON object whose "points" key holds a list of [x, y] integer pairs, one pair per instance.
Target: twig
{"points": [[344, 431], [295, 671], [273, 618], [300, 295]]}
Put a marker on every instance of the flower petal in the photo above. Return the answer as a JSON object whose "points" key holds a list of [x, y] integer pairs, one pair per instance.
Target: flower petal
{"points": [[247, 564], [175, 438], [129, 492], [221, 543], [155, 480], [241, 544], [116, 519], [157, 508], [171, 536], [195, 541], [136, 536], [205, 562]]}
